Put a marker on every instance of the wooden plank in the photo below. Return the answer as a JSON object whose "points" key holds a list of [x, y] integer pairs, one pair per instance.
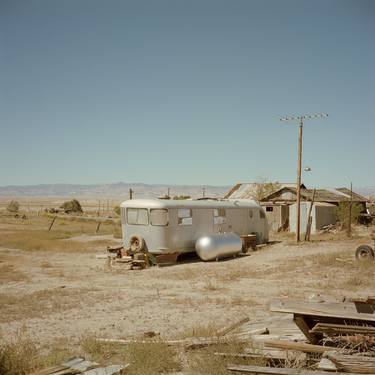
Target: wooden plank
{"points": [[280, 371], [340, 329], [326, 364], [300, 346], [359, 364], [232, 327], [189, 343], [343, 310], [304, 325], [278, 355]]}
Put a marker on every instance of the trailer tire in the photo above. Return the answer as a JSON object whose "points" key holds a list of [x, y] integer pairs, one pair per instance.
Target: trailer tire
{"points": [[364, 252], [136, 244]]}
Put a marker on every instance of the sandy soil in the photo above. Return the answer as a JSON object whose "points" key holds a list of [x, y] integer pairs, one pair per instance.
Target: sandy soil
{"points": [[54, 295]]}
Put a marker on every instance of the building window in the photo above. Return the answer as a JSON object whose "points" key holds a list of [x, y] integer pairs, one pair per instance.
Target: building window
{"points": [[262, 215], [219, 216], [137, 216], [251, 214], [159, 217], [269, 208], [185, 216]]}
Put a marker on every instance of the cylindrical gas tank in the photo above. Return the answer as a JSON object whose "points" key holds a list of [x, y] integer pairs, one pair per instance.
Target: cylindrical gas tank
{"points": [[218, 246]]}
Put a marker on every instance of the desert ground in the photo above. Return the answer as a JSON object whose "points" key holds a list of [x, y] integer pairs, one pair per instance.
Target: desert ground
{"points": [[55, 291]]}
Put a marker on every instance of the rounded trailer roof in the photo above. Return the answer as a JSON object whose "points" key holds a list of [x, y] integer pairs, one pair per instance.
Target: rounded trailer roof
{"points": [[170, 203]]}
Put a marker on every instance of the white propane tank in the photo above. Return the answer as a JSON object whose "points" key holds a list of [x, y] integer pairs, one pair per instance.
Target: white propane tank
{"points": [[218, 246]]}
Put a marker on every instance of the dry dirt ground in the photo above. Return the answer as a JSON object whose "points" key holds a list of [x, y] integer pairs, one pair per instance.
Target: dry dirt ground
{"points": [[66, 294]]}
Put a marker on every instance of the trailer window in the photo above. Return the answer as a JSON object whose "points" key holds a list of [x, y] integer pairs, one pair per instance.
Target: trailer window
{"points": [[261, 214], [137, 216], [269, 208], [185, 216], [159, 217], [219, 216]]}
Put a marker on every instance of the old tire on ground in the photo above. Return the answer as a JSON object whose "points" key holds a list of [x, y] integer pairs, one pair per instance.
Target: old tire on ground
{"points": [[364, 252], [136, 244]]}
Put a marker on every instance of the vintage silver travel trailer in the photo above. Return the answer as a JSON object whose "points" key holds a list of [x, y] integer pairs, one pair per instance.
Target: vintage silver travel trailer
{"points": [[173, 226]]}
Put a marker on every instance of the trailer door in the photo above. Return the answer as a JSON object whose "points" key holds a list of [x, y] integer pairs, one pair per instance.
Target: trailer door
{"points": [[203, 222]]}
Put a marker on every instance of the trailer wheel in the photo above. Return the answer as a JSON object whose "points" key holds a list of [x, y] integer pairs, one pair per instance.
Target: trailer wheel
{"points": [[364, 252], [136, 244]]}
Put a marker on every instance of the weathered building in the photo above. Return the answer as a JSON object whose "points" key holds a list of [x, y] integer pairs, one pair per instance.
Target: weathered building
{"points": [[280, 204], [323, 210]]}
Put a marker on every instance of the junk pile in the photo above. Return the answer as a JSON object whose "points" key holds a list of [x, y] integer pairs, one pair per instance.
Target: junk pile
{"points": [[336, 336], [78, 365], [313, 338], [121, 258]]}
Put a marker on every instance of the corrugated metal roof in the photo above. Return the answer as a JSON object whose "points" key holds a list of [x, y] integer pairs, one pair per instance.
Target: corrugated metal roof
{"points": [[247, 190], [321, 195]]}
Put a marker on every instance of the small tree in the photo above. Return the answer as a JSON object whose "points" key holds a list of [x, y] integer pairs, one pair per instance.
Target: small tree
{"points": [[264, 188], [181, 197], [13, 206], [72, 206], [342, 213], [117, 210]]}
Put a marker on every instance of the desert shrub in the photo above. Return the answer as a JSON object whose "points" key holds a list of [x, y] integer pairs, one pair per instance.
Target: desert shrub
{"points": [[342, 213], [181, 197], [117, 210], [154, 357], [263, 188], [13, 206], [72, 206], [18, 357]]}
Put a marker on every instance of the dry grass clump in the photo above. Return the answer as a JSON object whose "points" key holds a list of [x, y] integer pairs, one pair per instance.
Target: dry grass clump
{"points": [[15, 307], [153, 357], [206, 362], [33, 234], [59, 351], [8, 273], [211, 285], [19, 356], [96, 350], [236, 274], [204, 330], [37, 240]]}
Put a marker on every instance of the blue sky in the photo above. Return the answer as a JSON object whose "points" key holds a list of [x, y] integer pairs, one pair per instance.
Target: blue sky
{"points": [[186, 92]]}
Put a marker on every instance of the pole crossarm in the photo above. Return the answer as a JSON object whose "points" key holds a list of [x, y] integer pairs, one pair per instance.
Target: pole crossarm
{"points": [[303, 117]]}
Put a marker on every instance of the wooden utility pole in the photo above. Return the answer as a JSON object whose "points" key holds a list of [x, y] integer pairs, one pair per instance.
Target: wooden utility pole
{"points": [[350, 211], [299, 169], [309, 218], [130, 193], [300, 120]]}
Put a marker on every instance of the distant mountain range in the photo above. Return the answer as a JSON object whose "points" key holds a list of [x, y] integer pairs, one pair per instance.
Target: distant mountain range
{"points": [[120, 190], [116, 190]]}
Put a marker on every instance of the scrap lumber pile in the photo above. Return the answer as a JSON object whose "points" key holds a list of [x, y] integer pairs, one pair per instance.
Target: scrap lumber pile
{"points": [[78, 365], [120, 258], [338, 337]]}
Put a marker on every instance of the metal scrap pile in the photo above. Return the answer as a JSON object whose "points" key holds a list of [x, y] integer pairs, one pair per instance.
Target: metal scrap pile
{"points": [[336, 336]]}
